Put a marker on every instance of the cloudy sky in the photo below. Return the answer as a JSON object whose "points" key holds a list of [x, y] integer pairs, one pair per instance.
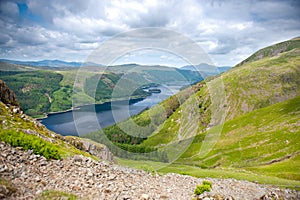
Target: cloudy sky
{"points": [[228, 31]]}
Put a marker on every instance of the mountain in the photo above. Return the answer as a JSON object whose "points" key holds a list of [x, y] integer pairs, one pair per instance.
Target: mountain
{"points": [[49, 63], [40, 164], [46, 89], [15, 125], [259, 142], [206, 69], [4, 66], [256, 137], [273, 50]]}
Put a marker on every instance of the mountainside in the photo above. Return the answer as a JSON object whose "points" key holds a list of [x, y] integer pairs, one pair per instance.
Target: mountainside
{"points": [[42, 90], [39, 164], [273, 50], [4, 66], [261, 130], [259, 144], [264, 141]]}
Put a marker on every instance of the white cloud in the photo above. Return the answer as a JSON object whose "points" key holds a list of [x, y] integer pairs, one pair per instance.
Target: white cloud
{"points": [[70, 30]]}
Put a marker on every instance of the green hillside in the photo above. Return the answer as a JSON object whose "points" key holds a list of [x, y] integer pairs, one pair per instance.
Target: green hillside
{"points": [[261, 130], [42, 90], [34, 89], [20, 130], [273, 50], [265, 141], [248, 87]]}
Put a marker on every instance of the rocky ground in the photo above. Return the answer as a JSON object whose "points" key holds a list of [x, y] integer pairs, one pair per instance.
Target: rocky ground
{"points": [[31, 174]]}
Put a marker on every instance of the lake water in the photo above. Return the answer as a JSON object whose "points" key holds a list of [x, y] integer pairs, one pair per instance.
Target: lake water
{"points": [[91, 118]]}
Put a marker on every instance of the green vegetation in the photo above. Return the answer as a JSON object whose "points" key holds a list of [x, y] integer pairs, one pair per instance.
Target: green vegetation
{"points": [[273, 50], [149, 169], [26, 141], [53, 194], [204, 187], [259, 138], [262, 83], [245, 93], [129, 137], [112, 86], [258, 141], [239, 174], [34, 89], [267, 139], [25, 132], [42, 90]]}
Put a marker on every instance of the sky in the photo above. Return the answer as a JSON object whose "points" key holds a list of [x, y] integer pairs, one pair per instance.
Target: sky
{"points": [[228, 31]]}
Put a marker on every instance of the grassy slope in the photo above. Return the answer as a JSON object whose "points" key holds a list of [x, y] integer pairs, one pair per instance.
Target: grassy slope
{"points": [[13, 123], [260, 136], [62, 98], [261, 146], [265, 141], [273, 50], [195, 171], [248, 87], [147, 122], [13, 67], [262, 82]]}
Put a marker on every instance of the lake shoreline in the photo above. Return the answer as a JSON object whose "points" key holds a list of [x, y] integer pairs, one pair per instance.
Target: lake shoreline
{"points": [[106, 113], [91, 104]]}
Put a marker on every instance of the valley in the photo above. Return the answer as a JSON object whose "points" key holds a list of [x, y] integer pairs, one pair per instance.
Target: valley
{"points": [[34, 85], [256, 142], [260, 134], [150, 100]]}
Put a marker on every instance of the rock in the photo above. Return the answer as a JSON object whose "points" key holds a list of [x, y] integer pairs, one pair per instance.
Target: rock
{"points": [[15, 110], [4, 192], [145, 197], [98, 150], [126, 197], [7, 96], [37, 179], [89, 179], [23, 175], [270, 196], [78, 158], [90, 174]]}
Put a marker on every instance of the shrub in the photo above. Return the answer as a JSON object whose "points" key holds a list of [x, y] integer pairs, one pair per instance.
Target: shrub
{"points": [[204, 187], [26, 141], [206, 182], [53, 194]]}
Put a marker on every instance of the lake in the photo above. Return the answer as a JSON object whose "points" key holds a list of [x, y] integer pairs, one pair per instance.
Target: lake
{"points": [[93, 117]]}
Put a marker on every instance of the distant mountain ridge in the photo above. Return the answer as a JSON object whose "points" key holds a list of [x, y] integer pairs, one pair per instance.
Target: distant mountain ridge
{"points": [[49, 63], [206, 68], [203, 67]]}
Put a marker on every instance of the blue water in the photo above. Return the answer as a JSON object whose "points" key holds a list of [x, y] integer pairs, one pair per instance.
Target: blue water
{"points": [[91, 118]]}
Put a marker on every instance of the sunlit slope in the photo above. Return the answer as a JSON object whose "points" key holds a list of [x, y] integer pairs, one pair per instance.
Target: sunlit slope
{"points": [[266, 140], [263, 82], [273, 50], [247, 87]]}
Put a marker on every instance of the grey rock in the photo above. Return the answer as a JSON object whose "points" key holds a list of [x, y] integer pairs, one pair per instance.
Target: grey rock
{"points": [[89, 179]]}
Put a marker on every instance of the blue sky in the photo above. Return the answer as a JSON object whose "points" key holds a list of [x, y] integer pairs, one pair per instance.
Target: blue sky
{"points": [[228, 31]]}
